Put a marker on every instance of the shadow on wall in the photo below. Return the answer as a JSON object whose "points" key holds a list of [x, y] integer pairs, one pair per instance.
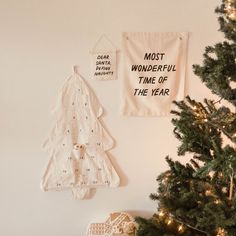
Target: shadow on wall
{"points": [[121, 174]]}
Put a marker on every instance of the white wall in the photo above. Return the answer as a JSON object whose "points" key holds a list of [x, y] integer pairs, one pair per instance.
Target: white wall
{"points": [[40, 41]]}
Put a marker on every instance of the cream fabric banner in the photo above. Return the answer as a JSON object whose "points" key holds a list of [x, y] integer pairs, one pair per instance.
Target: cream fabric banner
{"points": [[104, 65], [103, 59], [154, 72]]}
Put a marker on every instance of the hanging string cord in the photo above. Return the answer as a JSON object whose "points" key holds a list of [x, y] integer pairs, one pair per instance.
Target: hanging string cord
{"points": [[190, 226], [99, 40]]}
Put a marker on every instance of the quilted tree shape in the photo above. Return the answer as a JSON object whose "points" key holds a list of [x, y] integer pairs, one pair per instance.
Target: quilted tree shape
{"points": [[77, 143]]}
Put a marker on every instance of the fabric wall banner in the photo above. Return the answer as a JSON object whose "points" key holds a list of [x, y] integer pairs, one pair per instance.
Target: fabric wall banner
{"points": [[103, 61], [104, 65], [154, 72]]}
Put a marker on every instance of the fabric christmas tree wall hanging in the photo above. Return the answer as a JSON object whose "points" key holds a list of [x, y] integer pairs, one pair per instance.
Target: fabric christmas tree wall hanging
{"points": [[77, 143]]}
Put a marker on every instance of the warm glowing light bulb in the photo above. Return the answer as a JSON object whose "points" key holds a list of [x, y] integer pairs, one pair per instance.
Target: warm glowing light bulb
{"points": [[180, 228], [161, 213], [208, 192], [205, 120], [224, 190], [217, 201], [169, 221], [220, 232]]}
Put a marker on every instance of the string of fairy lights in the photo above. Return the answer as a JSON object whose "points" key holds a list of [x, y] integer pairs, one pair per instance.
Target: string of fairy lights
{"points": [[202, 117], [179, 225], [171, 221]]}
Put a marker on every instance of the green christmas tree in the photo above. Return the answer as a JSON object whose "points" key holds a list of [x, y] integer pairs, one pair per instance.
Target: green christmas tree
{"points": [[199, 198]]}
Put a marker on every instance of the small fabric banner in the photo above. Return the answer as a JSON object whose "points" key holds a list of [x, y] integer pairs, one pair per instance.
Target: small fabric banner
{"points": [[103, 61], [154, 72]]}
